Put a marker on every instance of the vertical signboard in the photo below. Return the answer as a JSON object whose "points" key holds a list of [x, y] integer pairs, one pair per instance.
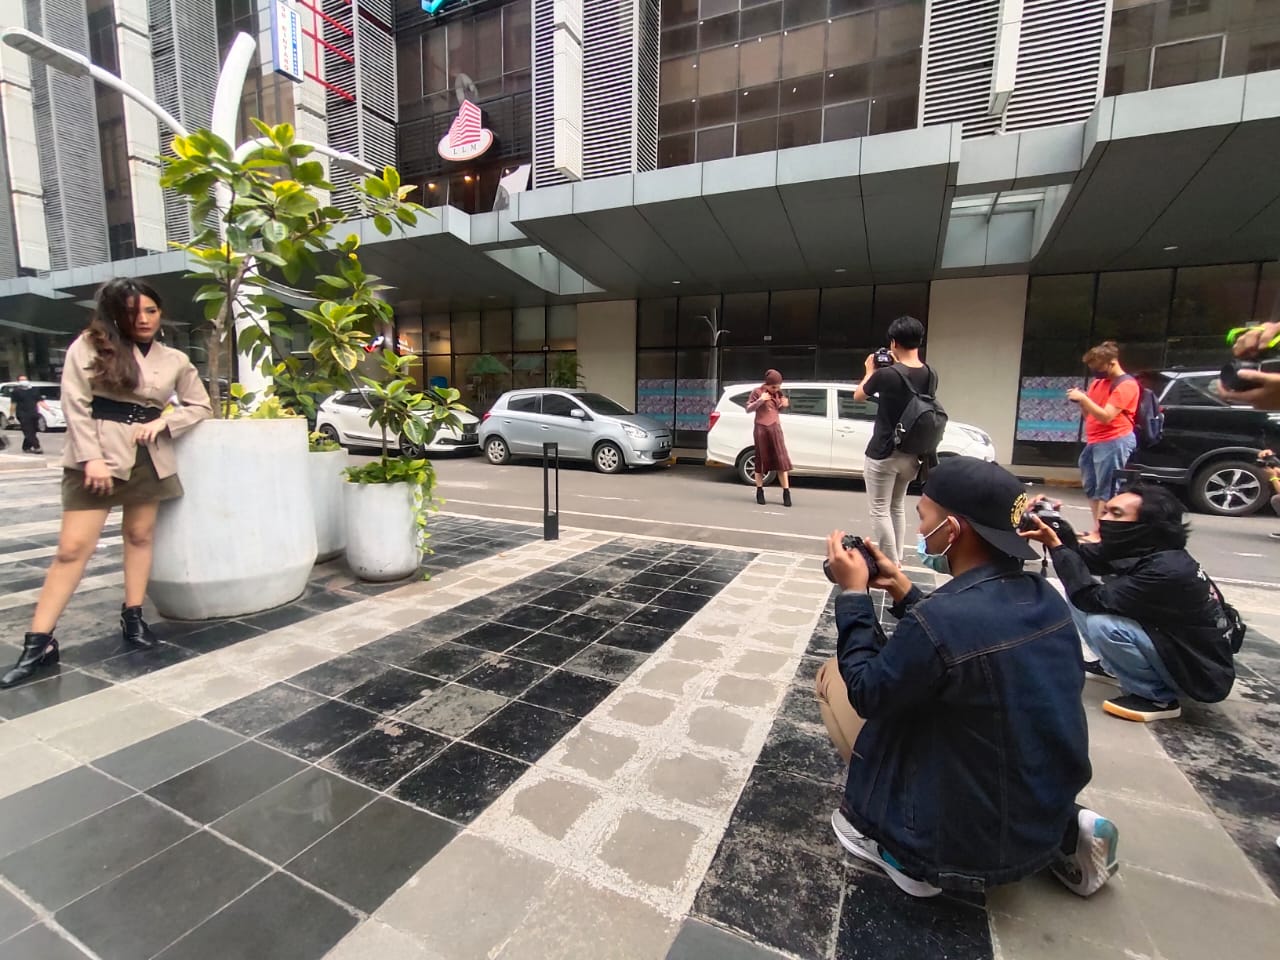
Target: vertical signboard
{"points": [[286, 39]]}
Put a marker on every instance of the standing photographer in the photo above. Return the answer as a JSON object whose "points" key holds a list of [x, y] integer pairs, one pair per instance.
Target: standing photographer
{"points": [[1110, 410], [888, 471]]}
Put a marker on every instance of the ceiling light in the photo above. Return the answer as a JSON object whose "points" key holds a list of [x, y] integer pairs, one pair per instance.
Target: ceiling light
{"points": [[840, 269], [676, 282], [431, 186], [1171, 247]]}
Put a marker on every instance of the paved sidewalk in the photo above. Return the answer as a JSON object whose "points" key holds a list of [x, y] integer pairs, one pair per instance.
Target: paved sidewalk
{"points": [[603, 747]]}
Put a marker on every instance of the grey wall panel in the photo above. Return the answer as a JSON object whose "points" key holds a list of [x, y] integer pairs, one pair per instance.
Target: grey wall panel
{"points": [[8, 235]]}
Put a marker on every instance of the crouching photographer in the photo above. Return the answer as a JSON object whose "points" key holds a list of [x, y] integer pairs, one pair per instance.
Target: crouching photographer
{"points": [[1269, 462], [1156, 623], [964, 731]]}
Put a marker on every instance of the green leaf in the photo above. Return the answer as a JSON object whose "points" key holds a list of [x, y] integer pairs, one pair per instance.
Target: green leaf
{"points": [[338, 283], [273, 231], [382, 224]]}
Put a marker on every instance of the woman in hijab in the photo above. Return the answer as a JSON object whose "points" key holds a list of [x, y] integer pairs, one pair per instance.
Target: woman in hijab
{"points": [[771, 448]]}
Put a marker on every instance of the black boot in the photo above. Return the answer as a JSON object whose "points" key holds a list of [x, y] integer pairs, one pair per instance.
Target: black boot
{"points": [[39, 652], [786, 498], [135, 629], [760, 495]]}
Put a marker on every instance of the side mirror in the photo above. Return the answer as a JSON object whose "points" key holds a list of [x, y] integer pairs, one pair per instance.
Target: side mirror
{"points": [[578, 413]]}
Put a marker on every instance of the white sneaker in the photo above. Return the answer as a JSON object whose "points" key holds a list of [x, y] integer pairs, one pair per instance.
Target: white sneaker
{"points": [[867, 849], [1094, 861]]}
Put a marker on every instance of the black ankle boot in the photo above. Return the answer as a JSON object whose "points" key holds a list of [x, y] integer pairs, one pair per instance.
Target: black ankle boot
{"points": [[135, 630], [760, 495], [39, 652], [786, 498]]}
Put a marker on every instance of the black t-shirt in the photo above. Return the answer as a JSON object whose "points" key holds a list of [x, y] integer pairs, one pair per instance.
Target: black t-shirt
{"points": [[892, 397], [26, 403]]}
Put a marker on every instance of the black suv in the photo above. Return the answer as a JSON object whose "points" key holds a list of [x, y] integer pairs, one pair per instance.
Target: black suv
{"points": [[1209, 447]]}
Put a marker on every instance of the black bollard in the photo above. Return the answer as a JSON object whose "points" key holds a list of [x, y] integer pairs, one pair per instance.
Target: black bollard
{"points": [[550, 518]]}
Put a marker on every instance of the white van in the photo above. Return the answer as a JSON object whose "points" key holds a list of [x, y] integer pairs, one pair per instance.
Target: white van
{"points": [[826, 429]]}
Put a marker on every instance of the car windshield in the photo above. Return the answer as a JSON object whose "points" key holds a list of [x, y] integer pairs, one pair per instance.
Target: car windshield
{"points": [[602, 405]]}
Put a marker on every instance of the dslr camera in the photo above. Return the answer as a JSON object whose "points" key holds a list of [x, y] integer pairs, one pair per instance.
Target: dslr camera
{"points": [[1271, 463], [851, 542], [884, 358], [1052, 519]]}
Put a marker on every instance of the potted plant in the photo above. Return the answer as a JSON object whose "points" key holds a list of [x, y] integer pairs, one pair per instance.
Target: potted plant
{"points": [[387, 501], [566, 372], [243, 538]]}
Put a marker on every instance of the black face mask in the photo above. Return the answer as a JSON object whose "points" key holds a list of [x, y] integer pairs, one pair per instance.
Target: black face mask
{"points": [[1123, 539]]}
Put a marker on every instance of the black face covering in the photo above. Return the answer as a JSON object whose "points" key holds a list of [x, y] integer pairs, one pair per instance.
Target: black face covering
{"points": [[1122, 539]]}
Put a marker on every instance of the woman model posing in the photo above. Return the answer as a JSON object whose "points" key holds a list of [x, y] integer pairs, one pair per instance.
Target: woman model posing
{"points": [[771, 447]]}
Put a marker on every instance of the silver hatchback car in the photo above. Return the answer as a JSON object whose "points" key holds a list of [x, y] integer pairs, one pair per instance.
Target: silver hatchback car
{"points": [[586, 426]]}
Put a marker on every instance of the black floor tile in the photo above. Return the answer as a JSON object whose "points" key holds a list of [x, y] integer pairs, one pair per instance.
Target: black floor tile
{"points": [[453, 710], [67, 865], [371, 855], [800, 750], [563, 600], [591, 586], [569, 693], [481, 608], [522, 731], [14, 915], [264, 709], [278, 617], [783, 897], [505, 676], [659, 581], [686, 602], [633, 593], [287, 819], [138, 663], [399, 648], [577, 627], [495, 637], [632, 636], [551, 579], [322, 601], [47, 691], [391, 691], [529, 616], [216, 787], [40, 943], [547, 648], [321, 730], [461, 782], [661, 618], [81, 652], [880, 922], [36, 812], [138, 914], [702, 941], [606, 662], [720, 575], [699, 588], [630, 562], [216, 637], [606, 608], [447, 626], [385, 754], [167, 754], [675, 568], [449, 661], [787, 810], [251, 928], [338, 675]]}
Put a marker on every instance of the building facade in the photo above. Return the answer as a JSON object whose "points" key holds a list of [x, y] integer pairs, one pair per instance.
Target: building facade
{"points": [[681, 193]]}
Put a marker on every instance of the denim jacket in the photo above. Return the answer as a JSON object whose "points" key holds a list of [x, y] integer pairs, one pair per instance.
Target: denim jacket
{"points": [[975, 744]]}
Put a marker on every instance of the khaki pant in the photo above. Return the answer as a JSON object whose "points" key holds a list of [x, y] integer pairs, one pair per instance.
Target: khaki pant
{"points": [[843, 722]]}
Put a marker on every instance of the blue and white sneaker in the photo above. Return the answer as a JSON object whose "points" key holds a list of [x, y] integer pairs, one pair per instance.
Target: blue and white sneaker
{"points": [[867, 849], [1094, 861]]}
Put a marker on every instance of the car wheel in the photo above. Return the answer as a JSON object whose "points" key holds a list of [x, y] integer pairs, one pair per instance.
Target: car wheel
{"points": [[1229, 488], [41, 425], [330, 433], [411, 450], [746, 468], [608, 458], [495, 448]]}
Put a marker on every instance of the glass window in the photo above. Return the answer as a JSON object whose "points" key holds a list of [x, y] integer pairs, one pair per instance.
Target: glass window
{"points": [[496, 331], [657, 323], [1207, 302], [841, 364], [598, 403], [715, 110], [758, 102], [517, 47], [562, 327], [741, 398], [697, 315], [760, 60], [717, 71], [529, 370], [409, 331], [851, 40], [1132, 306], [796, 13], [803, 51], [678, 79], [437, 371], [528, 404], [793, 316], [844, 318], [758, 136], [655, 384], [466, 333], [893, 113], [846, 121], [799, 129], [1188, 62], [1191, 392], [436, 329], [718, 30], [462, 50], [558, 405], [847, 408], [804, 93], [898, 300], [409, 70], [530, 328], [675, 150], [679, 11], [899, 29], [435, 62], [848, 83], [759, 21], [806, 402], [716, 144], [680, 40], [489, 46], [746, 318], [675, 117], [714, 8]]}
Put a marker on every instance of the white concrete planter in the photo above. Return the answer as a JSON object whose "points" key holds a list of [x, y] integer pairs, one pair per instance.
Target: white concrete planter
{"points": [[243, 536], [382, 542], [327, 482]]}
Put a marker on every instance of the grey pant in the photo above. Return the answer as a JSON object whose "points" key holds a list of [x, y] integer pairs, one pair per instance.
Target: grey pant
{"points": [[887, 482]]}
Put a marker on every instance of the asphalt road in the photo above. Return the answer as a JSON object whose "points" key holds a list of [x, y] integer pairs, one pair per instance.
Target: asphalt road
{"points": [[706, 504]]}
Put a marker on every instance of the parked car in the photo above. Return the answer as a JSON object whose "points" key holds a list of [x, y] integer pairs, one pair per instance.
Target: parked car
{"points": [[51, 417], [344, 419], [1209, 447], [826, 431], [587, 426]]}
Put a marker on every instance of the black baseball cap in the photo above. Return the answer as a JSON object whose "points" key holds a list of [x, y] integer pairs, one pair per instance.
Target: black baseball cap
{"points": [[988, 496]]}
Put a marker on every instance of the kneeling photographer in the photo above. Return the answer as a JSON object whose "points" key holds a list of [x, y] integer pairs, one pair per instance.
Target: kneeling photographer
{"points": [[1269, 462], [964, 731], [1156, 623]]}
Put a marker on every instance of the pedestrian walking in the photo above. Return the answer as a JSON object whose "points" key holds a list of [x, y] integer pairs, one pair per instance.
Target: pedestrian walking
{"points": [[116, 383], [767, 402], [1110, 409], [26, 410]]}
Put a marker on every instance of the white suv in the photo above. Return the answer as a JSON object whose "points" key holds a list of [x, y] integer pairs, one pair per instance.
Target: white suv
{"points": [[826, 431], [51, 417]]}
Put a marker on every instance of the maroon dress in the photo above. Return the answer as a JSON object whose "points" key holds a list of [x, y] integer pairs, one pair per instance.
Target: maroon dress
{"points": [[771, 446]]}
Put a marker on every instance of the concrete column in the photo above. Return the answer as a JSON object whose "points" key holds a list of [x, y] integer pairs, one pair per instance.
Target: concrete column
{"points": [[975, 344], [607, 348]]}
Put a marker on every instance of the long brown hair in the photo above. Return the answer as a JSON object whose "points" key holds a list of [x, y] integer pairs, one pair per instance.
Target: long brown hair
{"points": [[110, 332]]}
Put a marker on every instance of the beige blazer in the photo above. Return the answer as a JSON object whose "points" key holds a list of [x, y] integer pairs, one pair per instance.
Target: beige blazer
{"points": [[165, 374]]}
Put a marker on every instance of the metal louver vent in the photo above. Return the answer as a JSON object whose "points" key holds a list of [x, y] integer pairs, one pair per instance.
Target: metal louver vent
{"points": [[1060, 63], [647, 68], [67, 139], [959, 57], [544, 171]]}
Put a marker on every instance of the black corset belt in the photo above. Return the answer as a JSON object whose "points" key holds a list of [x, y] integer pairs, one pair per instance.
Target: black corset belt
{"points": [[104, 408]]}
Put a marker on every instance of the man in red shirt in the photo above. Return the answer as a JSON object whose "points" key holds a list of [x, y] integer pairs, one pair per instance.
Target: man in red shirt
{"points": [[1110, 410]]}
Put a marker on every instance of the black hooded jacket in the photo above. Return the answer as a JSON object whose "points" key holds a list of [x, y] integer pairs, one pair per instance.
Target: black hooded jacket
{"points": [[1169, 595]]}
